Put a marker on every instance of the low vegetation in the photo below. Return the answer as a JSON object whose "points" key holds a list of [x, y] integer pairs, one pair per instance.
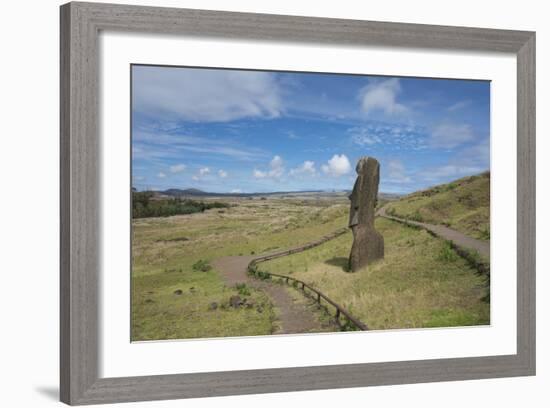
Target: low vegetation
{"points": [[177, 293], [144, 205], [462, 205], [421, 282]]}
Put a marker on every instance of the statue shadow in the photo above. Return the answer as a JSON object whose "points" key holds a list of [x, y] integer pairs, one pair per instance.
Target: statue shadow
{"points": [[340, 262]]}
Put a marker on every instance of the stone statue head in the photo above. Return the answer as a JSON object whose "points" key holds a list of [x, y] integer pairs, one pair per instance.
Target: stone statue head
{"points": [[361, 164]]}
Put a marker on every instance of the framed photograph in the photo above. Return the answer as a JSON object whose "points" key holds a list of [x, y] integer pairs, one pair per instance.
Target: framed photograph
{"points": [[261, 203]]}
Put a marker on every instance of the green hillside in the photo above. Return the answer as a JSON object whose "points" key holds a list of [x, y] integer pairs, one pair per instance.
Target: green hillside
{"points": [[462, 205]]}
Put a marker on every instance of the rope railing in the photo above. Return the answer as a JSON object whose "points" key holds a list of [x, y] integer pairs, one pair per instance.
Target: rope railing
{"points": [[318, 295]]}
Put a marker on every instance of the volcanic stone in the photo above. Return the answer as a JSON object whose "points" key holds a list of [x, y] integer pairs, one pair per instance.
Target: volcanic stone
{"points": [[368, 244]]}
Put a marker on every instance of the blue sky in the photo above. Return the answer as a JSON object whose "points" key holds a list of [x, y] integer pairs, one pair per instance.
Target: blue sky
{"points": [[252, 131]]}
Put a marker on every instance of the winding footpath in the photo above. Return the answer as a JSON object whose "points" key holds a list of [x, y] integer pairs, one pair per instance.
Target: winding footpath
{"points": [[483, 247], [294, 317]]}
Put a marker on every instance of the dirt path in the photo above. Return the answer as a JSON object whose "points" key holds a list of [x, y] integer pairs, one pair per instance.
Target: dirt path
{"points": [[483, 247], [294, 317]]}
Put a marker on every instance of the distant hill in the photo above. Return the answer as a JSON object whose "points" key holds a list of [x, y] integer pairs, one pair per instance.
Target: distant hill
{"points": [[388, 196], [462, 205], [174, 192], [187, 192], [194, 192]]}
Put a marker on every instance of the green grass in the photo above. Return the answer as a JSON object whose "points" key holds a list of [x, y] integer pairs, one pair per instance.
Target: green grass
{"points": [[323, 314], [420, 282], [158, 313], [176, 253], [462, 205]]}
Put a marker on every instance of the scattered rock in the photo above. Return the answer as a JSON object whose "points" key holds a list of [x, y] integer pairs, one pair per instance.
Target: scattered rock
{"points": [[178, 292], [235, 301], [260, 309], [213, 306]]}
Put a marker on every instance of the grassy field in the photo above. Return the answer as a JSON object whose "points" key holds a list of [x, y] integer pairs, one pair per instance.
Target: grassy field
{"points": [[420, 283], [462, 205], [176, 294], [171, 299]]}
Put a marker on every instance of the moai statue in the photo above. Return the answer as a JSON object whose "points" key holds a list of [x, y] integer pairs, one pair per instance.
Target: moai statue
{"points": [[368, 244]]}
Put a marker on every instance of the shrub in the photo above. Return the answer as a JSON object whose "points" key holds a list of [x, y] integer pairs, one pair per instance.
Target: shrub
{"points": [[242, 289], [485, 233], [202, 266], [416, 217], [252, 269], [447, 253], [450, 186], [143, 206], [263, 275]]}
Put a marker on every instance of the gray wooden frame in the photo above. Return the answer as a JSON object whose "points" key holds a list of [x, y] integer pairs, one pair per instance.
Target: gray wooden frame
{"points": [[80, 158]]}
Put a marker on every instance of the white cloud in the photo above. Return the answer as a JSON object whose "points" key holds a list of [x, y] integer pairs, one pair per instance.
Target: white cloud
{"points": [[467, 161], [292, 135], [337, 166], [222, 173], [205, 95], [392, 136], [396, 172], [473, 159], [306, 168], [161, 175], [150, 145], [450, 135], [178, 168], [203, 171], [382, 96], [362, 137], [459, 105], [259, 174], [276, 169], [450, 171]]}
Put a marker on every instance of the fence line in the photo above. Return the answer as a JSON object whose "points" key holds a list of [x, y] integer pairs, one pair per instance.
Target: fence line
{"points": [[340, 311], [482, 268], [302, 248]]}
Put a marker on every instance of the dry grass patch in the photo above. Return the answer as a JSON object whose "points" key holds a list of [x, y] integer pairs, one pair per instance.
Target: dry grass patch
{"points": [[462, 205], [416, 285], [163, 262]]}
